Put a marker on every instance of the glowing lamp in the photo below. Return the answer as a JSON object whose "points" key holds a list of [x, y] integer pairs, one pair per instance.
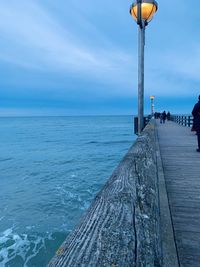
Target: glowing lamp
{"points": [[148, 9]]}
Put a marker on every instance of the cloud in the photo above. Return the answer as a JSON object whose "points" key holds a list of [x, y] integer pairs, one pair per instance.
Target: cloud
{"points": [[72, 51], [38, 41]]}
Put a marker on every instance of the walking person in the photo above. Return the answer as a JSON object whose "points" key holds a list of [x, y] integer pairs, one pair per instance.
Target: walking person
{"points": [[164, 116], [168, 116], [196, 115], [161, 118]]}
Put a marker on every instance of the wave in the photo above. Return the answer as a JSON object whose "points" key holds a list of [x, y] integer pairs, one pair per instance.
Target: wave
{"points": [[6, 159], [25, 249], [108, 142], [64, 162]]}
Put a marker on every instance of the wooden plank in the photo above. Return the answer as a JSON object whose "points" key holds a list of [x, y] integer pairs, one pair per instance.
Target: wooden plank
{"points": [[181, 164]]}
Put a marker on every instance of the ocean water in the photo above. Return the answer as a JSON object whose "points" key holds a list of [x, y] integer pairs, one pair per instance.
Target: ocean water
{"points": [[50, 170]]}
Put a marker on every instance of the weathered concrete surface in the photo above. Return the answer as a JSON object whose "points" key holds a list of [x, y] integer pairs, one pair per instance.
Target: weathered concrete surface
{"points": [[122, 226]]}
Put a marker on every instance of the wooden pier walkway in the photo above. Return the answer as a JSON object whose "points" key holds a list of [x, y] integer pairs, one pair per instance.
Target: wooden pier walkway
{"points": [[181, 164]]}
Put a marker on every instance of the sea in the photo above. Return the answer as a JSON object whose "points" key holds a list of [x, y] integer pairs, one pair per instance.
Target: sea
{"points": [[51, 168]]}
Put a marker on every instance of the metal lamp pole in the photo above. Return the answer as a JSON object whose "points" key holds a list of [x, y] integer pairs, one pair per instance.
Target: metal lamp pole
{"points": [[152, 105], [141, 44], [142, 11]]}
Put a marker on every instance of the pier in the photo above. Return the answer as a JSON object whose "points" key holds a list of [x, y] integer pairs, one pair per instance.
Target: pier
{"points": [[148, 213]]}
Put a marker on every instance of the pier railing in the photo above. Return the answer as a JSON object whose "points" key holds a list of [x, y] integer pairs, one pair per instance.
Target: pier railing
{"points": [[127, 222], [184, 120], [121, 228]]}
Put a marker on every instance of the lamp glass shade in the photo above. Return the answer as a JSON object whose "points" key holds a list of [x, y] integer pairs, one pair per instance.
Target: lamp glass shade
{"points": [[152, 97], [147, 11]]}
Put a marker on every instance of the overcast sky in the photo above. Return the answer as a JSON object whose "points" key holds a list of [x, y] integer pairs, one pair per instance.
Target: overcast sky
{"points": [[80, 57]]}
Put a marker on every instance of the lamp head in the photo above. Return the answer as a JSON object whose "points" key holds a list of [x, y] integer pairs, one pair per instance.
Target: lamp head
{"points": [[148, 9], [152, 97]]}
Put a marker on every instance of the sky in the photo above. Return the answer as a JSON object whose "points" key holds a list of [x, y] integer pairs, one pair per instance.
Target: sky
{"points": [[80, 58]]}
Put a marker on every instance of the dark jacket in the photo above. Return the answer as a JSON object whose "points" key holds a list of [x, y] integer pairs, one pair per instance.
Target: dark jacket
{"points": [[196, 115], [164, 115]]}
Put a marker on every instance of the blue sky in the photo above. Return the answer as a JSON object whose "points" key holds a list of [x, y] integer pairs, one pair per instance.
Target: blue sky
{"points": [[80, 58]]}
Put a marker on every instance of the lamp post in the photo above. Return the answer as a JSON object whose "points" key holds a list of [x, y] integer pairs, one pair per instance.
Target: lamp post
{"points": [[152, 104], [142, 11]]}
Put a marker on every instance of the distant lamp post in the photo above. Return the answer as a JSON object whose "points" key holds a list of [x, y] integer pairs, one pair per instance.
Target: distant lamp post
{"points": [[152, 104], [142, 11]]}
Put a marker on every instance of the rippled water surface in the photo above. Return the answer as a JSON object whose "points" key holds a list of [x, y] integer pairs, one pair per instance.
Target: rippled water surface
{"points": [[50, 170]]}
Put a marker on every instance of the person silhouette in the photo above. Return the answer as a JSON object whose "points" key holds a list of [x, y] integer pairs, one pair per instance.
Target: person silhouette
{"points": [[168, 116], [164, 116], [196, 115]]}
